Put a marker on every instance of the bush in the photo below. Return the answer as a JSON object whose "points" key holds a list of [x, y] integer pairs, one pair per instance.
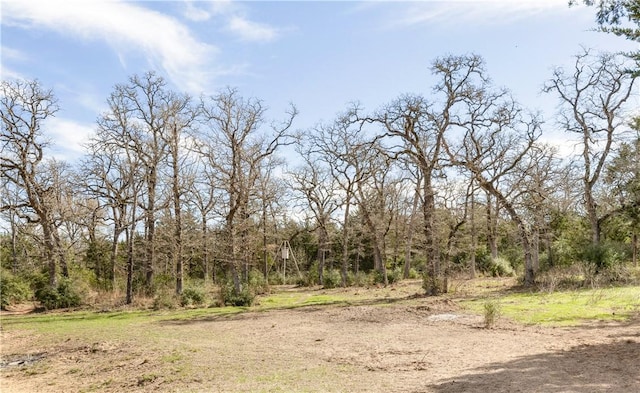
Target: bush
{"points": [[332, 279], [413, 274], [360, 279], [62, 296], [394, 276], [599, 258], [191, 296], [433, 286], [13, 289], [164, 300], [257, 282], [492, 312], [229, 296], [500, 267]]}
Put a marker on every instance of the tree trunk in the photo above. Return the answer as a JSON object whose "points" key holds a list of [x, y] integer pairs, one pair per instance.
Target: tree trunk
{"points": [[434, 282], [492, 227], [130, 249], [345, 239], [151, 229], [177, 208], [50, 254], [409, 235], [205, 249], [113, 257], [474, 236], [634, 246], [590, 204]]}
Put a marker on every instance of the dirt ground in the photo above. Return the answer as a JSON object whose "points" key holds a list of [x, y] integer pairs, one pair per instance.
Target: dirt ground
{"points": [[423, 345]]}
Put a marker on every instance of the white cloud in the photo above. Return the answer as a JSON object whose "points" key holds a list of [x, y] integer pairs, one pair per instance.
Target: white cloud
{"points": [[127, 28], [251, 31], [456, 12], [13, 54], [68, 137], [194, 13], [234, 16]]}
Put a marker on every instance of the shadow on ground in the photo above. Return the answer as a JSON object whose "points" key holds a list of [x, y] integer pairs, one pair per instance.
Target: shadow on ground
{"points": [[612, 367]]}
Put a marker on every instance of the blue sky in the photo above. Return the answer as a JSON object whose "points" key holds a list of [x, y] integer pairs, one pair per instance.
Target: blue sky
{"points": [[318, 55]]}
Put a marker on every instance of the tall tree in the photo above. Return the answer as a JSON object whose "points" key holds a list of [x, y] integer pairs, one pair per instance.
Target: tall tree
{"points": [[496, 138], [593, 98], [313, 181], [234, 135], [179, 117], [25, 106]]}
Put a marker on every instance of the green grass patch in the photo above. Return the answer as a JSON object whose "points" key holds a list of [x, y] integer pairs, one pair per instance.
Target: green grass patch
{"points": [[567, 308]]}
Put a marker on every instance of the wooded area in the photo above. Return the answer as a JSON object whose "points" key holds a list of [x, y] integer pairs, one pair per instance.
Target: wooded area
{"points": [[181, 192]]}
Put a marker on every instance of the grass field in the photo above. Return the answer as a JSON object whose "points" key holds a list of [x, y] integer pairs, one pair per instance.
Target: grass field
{"points": [[316, 340]]}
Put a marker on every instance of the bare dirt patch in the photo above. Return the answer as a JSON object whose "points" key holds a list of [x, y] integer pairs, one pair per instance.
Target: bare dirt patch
{"points": [[416, 345]]}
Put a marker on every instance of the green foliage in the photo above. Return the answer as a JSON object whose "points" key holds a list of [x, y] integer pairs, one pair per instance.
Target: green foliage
{"points": [[360, 279], [164, 300], [230, 297], [192, 296], [492, 311], [161, 283], [257, 282], [500, 267], [393, 276], [602, 263], [433, 286], [13, 289], [64, 295], [276, 278], [413, 274], [332, 278]]}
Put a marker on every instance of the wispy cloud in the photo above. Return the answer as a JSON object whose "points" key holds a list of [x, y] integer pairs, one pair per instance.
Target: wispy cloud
{"points": [[8, 53], [456, 12], [128, 28], [68, 137], [234, 17], [195, 13], [251, 31], [13, 54]]}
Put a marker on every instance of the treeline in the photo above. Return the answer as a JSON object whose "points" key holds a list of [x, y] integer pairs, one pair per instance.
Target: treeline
{"points": [[174, 189]]}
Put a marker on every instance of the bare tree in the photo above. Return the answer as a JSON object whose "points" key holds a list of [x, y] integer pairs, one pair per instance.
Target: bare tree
{"points": [[418, 127], [340, 145], [314, 182], [497, 137], [24, 107], [238, 148], [202, 196], [592, 105], [179, 117]]}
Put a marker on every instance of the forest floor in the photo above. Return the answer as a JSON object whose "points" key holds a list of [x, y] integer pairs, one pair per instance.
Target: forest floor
{"points": [[377, 340]]}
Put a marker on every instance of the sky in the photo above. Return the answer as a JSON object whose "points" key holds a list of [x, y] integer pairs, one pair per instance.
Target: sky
{"points": [[319, 55]]}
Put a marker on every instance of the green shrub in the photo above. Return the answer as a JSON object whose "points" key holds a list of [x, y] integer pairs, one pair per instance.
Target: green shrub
{"points": [[276, 278], [433, 286], [500, 267], [394, 276], [492, 312], [359, 279], [13, 289], [164, 300], [257, 282], [192, 296], [63, 295], [332, 279], [230, 297], [413, 274]]}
